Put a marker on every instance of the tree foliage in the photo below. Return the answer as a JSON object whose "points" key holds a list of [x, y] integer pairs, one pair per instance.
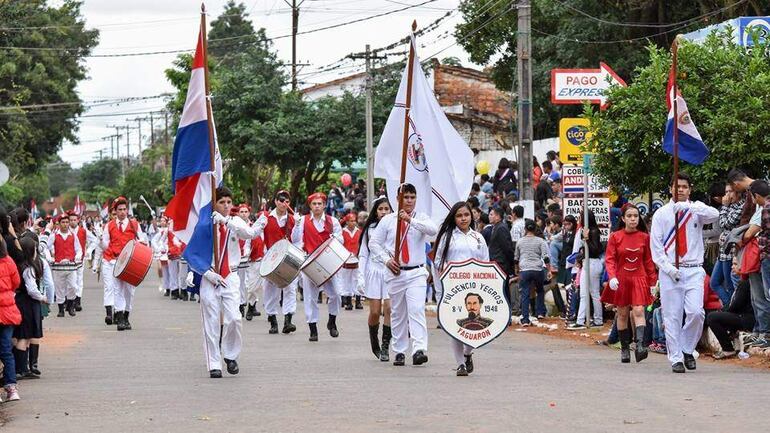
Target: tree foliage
{"points": [[30, 78], [104, 172], [726, 88], [560, 32]]}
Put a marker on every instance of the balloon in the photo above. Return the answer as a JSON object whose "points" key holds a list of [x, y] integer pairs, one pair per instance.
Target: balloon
{"points": [[482, 167], [346, 179]]}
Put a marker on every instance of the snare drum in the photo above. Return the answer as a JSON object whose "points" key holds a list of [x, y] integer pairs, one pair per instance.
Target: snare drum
{"points": [[325, 261], [282, 263], [133, 263], [352, 263]]}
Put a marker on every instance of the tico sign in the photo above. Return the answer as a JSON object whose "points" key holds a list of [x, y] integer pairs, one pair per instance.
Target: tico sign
{"points": [[575, 86]]}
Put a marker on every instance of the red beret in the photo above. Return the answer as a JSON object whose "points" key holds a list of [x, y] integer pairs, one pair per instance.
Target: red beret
{"points": [[316, 196], [350, 217], [244, 205], [118, 201]]}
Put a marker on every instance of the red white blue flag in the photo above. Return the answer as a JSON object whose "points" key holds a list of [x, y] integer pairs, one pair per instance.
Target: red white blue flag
{"points": [[192, 174], [691, 146]]}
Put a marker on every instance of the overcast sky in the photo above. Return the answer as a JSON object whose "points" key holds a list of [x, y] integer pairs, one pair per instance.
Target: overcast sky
{"points": [[163, 25]]}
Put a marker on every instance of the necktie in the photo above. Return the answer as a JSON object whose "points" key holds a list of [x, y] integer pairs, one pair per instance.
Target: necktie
{"points": [[224, 268], [122, 226], [404, 243], [682, 235]]}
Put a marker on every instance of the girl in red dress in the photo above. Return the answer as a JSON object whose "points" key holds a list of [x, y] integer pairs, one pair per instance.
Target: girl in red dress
{"points": [[629, 265]]}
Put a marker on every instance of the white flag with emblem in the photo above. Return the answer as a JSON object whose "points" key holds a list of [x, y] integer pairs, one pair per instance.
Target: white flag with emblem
{"points": [[439, 162]]}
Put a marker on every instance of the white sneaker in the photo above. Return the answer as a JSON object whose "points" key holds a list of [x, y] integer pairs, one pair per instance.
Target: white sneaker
{"points": [[12, 393]]}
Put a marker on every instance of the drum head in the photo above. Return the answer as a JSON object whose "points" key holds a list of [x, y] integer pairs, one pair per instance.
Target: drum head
{"points": [[317, 252], [274, 257], [124, 258], [353, 260]]}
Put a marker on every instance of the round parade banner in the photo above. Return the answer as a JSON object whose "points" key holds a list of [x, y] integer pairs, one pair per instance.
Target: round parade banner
{"points": [[473, 308]]}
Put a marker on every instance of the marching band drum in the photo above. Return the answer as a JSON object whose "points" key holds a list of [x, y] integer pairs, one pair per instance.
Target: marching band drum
{"points": [[325, 261], [282, 263], [133, 263]]}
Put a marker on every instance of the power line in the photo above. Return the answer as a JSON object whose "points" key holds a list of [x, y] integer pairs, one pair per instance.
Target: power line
{"points": [[617, 41]]}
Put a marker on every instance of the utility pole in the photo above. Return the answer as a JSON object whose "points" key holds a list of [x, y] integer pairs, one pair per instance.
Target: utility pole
{"points": [[294, 27], [152, 129], [524, 107], [165, 129], [138, 121], [117, 137], [368, 56]]}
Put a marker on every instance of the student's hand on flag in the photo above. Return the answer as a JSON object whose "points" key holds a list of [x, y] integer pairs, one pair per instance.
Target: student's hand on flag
{"points": [[402, 215], [215, 279], [681, 206], [393, 266], [218, 218], [674, 273]]}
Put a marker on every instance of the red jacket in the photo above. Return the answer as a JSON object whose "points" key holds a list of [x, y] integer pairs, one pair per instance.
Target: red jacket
{"points": [[710, 299], [9, 281]]}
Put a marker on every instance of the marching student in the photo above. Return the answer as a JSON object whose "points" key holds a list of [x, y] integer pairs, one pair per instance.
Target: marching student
{"points": [[160, 247], [457, 241], [681, 288], [254, 281], [66, 252], [174, 252], [373, 273], [243, 211], [117, 293], [81, 234], [348, 275], [275, 226], [309, 233], [631, 272], [406, 278], [220, 291]]}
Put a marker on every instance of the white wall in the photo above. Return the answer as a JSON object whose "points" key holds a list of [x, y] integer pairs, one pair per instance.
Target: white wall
{"points": [[539, 149]]}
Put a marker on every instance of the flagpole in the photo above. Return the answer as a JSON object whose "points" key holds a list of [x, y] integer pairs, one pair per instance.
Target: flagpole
{"points": [[407, 106], [205, 48], [675, 182]]}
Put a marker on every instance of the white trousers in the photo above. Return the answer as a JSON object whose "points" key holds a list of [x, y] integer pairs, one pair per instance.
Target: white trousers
{"points": [[407, 317], [459, 350], [272, 297], [242, 270], [182, 276], [591, 285], [254, 282], [117, 293], [221, 302], [79, 290], [310, 295], [65, 284], [164, 276], [347, 280], [678, 299], [173, 275]]}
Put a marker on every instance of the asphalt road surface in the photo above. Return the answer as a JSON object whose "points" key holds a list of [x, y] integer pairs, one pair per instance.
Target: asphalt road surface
{"points": [[154, 378]]}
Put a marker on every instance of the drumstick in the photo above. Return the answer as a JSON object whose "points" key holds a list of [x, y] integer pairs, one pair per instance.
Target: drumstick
{"points": [[152, 212]]}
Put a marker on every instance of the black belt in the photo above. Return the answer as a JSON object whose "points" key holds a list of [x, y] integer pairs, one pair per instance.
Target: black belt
{"points": [[409, 268]]}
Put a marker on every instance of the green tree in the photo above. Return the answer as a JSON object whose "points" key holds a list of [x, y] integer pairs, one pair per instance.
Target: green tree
{"points": [[142, 181], [232, 32], [63, 175], [490, 29], [31, 79], [104, 172], [727, 103]]}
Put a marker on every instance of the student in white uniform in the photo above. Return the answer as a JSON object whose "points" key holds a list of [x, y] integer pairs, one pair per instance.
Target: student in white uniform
{"points": [[80, 234], [66, 252], [681, 289], [309, 233], [457, 241], [159, 244], [220, 292], [372, 272], [406, 278]]}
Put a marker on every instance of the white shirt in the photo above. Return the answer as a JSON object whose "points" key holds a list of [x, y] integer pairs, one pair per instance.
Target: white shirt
{"points": [[297, 235], [463, 246], [662, 233], [30, 284], [52, 248], [517, 229], [418, 233], [236, 229], [160, 241], [261, 222]]}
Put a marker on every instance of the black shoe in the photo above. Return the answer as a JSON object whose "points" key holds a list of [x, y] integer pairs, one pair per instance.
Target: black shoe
{"points": [[347, 302], [215, 374], [70, 305], [126, 323], [331, 325], [61, 311], [689, 361], [183, 295], [678, 368], [108, 316], [232, 366], [78, 307], [374, 339], [400, 359], [119, 321], [29, 375], [385, 348], [249, 313], [640, 352], [34, 352], [256, 312], [175, 294], [168, 293], [469, 363], [288, 327], [624, 335], [313, 331], [33, 368], [273, 324], [625, 355], [192, 298], [419, 358], [461, 370], [359, 305]]}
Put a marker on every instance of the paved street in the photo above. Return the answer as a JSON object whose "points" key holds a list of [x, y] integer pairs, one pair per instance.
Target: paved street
{"points": [[154, 379]]}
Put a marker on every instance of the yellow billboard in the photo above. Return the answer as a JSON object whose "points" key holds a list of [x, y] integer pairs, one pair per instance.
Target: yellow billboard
{"points": [[573, 133]]}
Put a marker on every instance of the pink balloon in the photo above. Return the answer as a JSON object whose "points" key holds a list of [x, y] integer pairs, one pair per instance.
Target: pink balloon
{"points": [[346, 179]]}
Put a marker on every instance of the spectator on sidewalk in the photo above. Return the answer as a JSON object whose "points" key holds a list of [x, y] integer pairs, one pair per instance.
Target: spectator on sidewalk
{"points": [[10, 317], [517, 223], [722, 278], [760, 228], [738, 316], [531, 259]]}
